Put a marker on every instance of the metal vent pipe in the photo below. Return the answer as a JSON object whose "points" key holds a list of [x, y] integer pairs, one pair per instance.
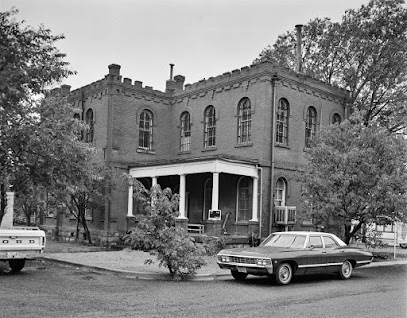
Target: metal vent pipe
{"points": [[298, 64]]}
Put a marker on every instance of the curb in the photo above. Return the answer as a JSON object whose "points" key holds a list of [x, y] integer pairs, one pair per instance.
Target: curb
{"points": [[141, 275], [385, 263], [196, 277]]}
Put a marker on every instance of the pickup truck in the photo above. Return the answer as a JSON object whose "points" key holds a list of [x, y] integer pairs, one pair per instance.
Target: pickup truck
{"points": [[20, 243]]}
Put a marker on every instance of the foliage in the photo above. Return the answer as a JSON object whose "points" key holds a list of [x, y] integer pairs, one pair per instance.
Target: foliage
{"points": [[214, 244], [33, 132], [157, 233], [374, 239], [365, 53], [89, 192], [355, 173]]}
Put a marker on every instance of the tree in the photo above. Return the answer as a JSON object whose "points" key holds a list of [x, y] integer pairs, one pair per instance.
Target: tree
{"points": [[29, 65], [89, 192], [365, 53], [156, 232], [355, 173]]}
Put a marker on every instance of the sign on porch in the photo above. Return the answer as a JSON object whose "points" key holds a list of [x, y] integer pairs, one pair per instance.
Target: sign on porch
{"points": [[215, 215]]}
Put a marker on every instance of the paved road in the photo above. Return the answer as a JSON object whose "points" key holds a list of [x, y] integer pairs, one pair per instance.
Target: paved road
{"points": [[46, 289]]}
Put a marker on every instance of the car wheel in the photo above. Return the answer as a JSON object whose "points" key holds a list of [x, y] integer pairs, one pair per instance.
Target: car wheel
{"points": [[16, 265], [346, 270], [238, 275], [403, 245], [284, 274]]}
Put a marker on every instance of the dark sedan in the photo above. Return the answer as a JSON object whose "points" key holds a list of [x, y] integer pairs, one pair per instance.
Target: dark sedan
{"points": [[284, 254]]}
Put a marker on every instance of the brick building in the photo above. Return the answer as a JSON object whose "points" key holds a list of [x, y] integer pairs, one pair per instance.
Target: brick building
{"points": [[215, 142]]}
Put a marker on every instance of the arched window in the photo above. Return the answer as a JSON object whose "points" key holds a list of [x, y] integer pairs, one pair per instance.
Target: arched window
{"points": [[146, 130], [207, 198], [244, 199], [282, 114], [310, 125], [336, 119], [244, 121], [210, 128], [185, 132], [89, 121], [80, 133], [281, 192]]}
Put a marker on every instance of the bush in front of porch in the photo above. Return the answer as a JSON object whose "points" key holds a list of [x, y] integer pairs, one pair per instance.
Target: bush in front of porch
{"points": [[157, 233]]}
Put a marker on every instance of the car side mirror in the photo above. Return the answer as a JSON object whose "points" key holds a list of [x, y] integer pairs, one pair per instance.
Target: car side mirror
{"points": [[311, 247]]}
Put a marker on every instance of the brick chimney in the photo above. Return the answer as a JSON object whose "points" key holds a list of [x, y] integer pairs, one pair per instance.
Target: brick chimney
{"points": [[114, 69], [65, 89], [176, 83]]}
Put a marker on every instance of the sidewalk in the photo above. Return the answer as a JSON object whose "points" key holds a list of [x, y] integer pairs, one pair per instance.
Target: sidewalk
{"points": [[131, 263], [127, 262]]}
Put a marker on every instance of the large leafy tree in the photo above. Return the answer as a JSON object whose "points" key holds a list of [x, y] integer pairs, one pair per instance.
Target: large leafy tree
{"points": [[355, 173], [49, 156], [365, 53], [39, 137]]}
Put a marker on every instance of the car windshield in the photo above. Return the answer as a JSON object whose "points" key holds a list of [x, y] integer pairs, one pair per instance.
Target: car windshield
{"points": [[285, 240]]}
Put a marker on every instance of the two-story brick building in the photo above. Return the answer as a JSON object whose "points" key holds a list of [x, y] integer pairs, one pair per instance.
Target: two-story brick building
{"points": [[230, 143]]}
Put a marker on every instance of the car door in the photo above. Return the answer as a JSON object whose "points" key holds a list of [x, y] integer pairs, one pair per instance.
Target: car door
{"points": [[316, 255], [333, 254]]}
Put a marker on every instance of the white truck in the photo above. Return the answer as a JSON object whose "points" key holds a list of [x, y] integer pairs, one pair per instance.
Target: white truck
{"points": [[20, 243]]}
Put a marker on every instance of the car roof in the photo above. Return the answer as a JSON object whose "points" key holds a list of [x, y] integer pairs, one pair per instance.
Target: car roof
{"points": [[303, 233]]}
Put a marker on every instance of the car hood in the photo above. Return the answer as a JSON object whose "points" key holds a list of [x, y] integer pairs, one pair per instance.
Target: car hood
{"points": [[260, 251]]}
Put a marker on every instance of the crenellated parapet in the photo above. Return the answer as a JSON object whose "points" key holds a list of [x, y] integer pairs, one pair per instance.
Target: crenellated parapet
{"points": [[264, 71], [176, 90], [124, 86]]}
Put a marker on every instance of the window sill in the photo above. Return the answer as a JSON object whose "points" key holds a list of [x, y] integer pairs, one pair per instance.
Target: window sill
{"points": [[282, 146], [150, 152], [184, 152], [209, 149], [248, 144], [245, 222]]}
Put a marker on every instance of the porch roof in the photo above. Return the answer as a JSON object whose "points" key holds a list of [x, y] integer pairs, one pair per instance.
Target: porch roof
{"points": [[210, 164]]}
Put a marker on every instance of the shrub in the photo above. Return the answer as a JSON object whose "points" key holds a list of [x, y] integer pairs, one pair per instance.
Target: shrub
{"points": [[213, 245], [157, 233]]}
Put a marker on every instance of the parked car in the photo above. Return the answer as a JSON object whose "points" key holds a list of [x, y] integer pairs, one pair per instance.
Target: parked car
{"points": [[284, 254]]}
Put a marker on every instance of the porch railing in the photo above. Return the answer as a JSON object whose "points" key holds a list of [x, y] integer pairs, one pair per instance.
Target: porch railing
{"points": [[285, 215]]}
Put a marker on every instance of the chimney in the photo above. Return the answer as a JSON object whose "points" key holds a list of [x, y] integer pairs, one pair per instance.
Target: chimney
{"points": [[114, 69], [65, 89], [298, 64], [171, 71], [174, 83]]}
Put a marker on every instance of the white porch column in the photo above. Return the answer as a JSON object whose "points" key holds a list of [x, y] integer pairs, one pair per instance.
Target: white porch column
{"points": [[7, 221], [182, 196], [154, 181], [215, 191], [255, 199], [130, 202]]}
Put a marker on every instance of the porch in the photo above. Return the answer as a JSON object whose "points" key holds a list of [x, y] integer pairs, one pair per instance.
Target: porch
{"points": [[217, 196]]}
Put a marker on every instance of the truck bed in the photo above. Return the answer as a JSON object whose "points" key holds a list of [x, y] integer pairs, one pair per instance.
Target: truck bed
{"points": [[21, 243]]}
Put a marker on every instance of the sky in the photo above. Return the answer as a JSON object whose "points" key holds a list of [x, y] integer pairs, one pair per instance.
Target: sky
{"points": [[203, 38]]}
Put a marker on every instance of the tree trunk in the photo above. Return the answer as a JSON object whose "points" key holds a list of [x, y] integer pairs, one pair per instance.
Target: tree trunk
{"points": [[85, 225], [349, 232], [77, 229], [3, 201]]}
